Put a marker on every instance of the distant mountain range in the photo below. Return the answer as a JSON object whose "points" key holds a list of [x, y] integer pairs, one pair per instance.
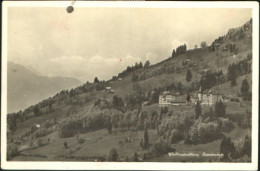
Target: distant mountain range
{"points": [[27, 87]]}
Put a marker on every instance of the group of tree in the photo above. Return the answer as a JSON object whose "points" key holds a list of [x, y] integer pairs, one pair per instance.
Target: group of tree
{"points": [[203, 44], [210, 79], [232, 48], [117, 102], [246, 94], [134, 100], [238, 69], [179, 50], [144, 74], [136, 67], [220, 110], [232, 152]]}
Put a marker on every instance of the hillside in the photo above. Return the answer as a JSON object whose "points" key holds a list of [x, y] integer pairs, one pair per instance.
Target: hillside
{"points": [[90, 123], [26, 87]]}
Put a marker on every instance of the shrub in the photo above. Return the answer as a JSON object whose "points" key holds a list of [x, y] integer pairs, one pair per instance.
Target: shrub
{"points": [[12, 151], [145, 140], [42, 132], [162, 147], [69, 128], [112, 155], [246, 148], [66, 145], [225, 124], [204, 132], [175, 136], [136, 157], [39, 142], [81, 140], [120, 142]]}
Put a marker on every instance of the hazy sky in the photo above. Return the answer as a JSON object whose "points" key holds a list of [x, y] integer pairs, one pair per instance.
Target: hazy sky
{"points": [[102, 41]]}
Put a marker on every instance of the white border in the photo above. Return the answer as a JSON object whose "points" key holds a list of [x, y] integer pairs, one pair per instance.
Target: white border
{"points": [[133, 165]]}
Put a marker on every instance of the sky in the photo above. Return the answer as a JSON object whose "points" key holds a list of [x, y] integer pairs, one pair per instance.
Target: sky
{"points": [[102, 42]]}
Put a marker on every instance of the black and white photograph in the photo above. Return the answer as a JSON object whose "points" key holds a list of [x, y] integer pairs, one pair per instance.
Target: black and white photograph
{"points": [[130, 84]]}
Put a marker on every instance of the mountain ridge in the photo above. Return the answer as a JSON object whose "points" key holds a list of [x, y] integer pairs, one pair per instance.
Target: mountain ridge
{"points": [[26, 87]]}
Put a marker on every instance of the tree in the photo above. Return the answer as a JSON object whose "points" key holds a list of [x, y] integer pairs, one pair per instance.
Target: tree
{"points": [[195, 46], [188, 76], [247, 147], [220, 109], [12, 123], [96, 80], [197, 110], [50, 107], [173, 53], [146, 139], [233, 81], [109, 127], [147, 63], [117, 101], [188, 98], [12, 151], [65, 145], [112, 155], [136, 157], [244, 87], [36, 111], [227, 147], [39, 142], [140, 65], [203, 44], [134, 77]]}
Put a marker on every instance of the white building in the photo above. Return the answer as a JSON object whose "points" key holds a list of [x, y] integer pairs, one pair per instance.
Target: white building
{"points": [[108, 88], [168, 99], [209, 98]]}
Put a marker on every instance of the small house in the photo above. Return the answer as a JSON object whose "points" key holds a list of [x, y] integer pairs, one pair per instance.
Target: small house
{"points": [[217, 45], [108, 89]]}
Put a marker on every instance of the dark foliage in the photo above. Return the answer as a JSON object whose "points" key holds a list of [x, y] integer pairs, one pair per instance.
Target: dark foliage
{"points": [[227, 148], [197, 110], [220, 109], [112, 155], [96, 80], [188, 76], [244, 87]]}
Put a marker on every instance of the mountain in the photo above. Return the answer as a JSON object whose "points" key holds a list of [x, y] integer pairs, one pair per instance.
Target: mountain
{"points": [[27, 87]]}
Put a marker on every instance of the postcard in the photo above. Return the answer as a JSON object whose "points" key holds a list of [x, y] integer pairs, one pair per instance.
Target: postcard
{"points": [[121, 85]]}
